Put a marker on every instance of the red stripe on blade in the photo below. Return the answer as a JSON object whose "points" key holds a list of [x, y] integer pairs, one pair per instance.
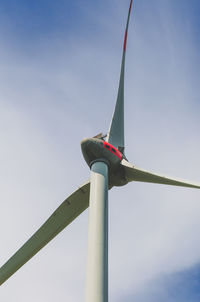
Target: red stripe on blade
{"points": [[130, 7], [125, 39]]}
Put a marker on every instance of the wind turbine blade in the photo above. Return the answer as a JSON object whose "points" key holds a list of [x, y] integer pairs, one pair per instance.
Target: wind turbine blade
{"points": [[116, 131], [71, 207], [133, 173]]}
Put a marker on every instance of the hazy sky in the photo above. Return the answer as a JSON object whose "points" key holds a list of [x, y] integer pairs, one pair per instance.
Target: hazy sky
{"points": [[59, 73]]}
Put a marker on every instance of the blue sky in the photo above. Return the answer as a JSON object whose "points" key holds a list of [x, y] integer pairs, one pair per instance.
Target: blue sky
{"points": [[58, 83], [181, 286]]}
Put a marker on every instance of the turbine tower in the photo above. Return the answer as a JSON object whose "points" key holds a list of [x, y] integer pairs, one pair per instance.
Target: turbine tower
{"points": [[105, 155]]}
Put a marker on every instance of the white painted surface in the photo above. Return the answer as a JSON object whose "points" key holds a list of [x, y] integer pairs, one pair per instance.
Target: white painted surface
{"points": [[97, 265]]}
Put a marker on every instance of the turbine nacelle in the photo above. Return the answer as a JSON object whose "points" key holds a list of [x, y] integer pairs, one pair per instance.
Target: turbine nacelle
{"points": [[95, 149]]}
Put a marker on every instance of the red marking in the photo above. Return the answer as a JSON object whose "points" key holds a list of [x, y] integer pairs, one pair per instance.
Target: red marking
{"points": [[109, 147], [125, 39], [130, 7], [126, 32]]}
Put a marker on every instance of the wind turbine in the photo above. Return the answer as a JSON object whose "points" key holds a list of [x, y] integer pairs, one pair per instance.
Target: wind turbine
{"points": [[109, 166]]}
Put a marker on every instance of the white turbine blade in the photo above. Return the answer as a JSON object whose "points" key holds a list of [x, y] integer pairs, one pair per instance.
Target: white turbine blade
{"points": [[71, 207], [133, 173], [116, 130]]}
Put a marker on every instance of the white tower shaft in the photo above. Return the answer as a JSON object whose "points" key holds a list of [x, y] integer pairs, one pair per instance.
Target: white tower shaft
{"points": [[97, 265]]}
